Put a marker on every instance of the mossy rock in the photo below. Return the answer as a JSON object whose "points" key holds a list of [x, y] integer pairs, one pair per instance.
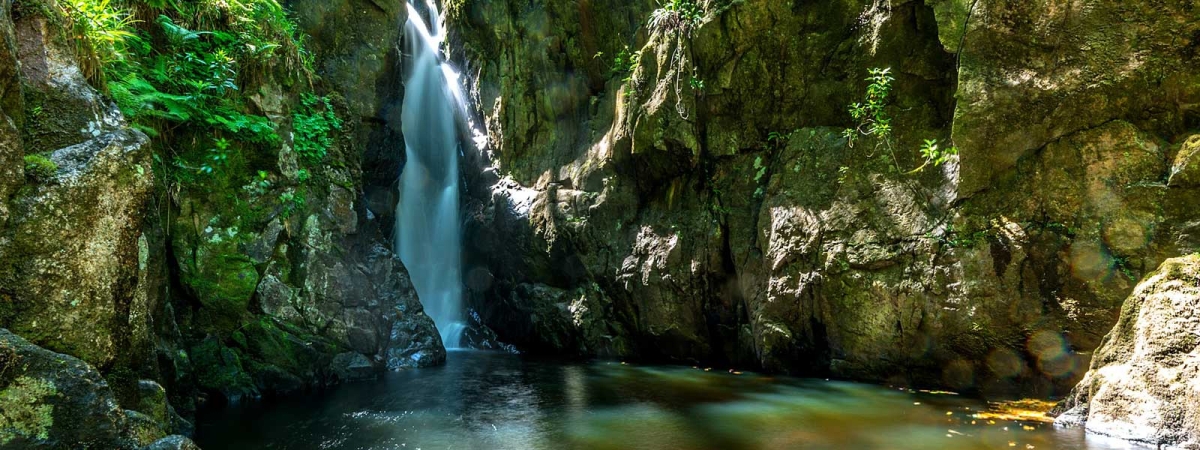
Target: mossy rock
{"points": [[52, 400], [222, 279], [219, 369]]}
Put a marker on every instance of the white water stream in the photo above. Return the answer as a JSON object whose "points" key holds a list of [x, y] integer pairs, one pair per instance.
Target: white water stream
{"points": [[428, 235]]}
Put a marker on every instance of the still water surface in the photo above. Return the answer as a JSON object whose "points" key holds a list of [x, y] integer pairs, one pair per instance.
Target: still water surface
{"points": [[498, 401]]}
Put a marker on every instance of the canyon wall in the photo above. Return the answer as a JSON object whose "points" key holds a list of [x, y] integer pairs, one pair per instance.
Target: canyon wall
{"points": [[703, 205]]}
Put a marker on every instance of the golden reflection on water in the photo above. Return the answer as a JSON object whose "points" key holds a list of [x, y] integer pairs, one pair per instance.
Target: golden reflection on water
{"points": [[757, 412], [490, 401]]}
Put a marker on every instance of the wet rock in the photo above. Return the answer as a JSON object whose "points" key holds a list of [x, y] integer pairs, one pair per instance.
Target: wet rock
{"points": [[51, 400], [143, 429], [1142, 385], [152, 401], [175, 442], [1185, 173], [350, 366]]}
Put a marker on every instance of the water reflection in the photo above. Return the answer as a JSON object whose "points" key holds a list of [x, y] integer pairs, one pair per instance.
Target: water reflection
{"points": [[501, 401]]}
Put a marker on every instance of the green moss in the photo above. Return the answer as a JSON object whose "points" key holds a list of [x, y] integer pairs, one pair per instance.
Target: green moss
{"points": [[275, 346], [39, 168], [24, 412], [219, 368], [222, 278]]}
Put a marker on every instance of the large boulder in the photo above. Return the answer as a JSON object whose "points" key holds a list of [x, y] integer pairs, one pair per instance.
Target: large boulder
{"points": [[53, 401], [1144, 382], [1032, 72], [69, 256]]}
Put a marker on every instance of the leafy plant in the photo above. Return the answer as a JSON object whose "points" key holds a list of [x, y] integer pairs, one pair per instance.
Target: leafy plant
{"points": [[218, 154], [873, 121], [314, 123], [625, 63], [1121, 264], [759, 174], [259, 186], [291, 201], [100, 31], [677, 15], [934, 155], [871, 114]]}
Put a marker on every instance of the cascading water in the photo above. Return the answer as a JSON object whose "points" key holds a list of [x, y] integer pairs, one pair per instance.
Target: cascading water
{"points": [[428, 238]]}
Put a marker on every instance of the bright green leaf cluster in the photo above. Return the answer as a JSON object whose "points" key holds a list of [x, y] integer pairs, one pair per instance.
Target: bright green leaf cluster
{"points": [[314, 123]]}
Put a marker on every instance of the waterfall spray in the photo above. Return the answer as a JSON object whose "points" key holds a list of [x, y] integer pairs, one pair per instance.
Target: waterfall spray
{"points": [[428, 236]]}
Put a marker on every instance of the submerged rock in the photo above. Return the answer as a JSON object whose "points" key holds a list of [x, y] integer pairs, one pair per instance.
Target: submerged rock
{"points": [[1144, 382]]}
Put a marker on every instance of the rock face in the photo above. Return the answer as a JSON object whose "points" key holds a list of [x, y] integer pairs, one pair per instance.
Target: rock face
{"points": [[179, 289], [700, 203], [69, 250], [11, 111], [1142, 385]]}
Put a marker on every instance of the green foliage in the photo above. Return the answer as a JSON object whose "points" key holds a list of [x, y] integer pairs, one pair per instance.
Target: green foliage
{"points": [[625, 63], [677, 15], [39, 167], [260, 185], [100, 31], [218, 155], [23, 410], [934, 155], [314, 123], [872, 120], [760, 172], [960, 239], [191, 80], [291, 201], [696, 84], [1121, 264], [871, 114]]}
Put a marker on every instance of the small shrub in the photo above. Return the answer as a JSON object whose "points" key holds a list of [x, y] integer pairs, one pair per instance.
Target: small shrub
{"points": [[314, 123], [625, 63], [100, 31], [40, 168], [680, 16], [873, 121], [871, 114]]}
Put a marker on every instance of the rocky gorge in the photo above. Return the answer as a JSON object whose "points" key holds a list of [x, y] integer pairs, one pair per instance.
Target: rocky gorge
{"points": [[640, 187]]}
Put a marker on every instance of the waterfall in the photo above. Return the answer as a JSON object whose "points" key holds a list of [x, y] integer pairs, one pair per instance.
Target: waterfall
{"points": [[428, 236]]}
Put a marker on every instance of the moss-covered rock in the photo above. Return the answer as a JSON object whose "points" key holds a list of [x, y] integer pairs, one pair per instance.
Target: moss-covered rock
{"points": [[219, 370], [12, 106], [50, 401]]}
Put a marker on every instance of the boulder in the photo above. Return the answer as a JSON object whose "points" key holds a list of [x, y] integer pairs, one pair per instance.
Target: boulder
{"points": [[50, 400], [69, 256], [1144, 382]]}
